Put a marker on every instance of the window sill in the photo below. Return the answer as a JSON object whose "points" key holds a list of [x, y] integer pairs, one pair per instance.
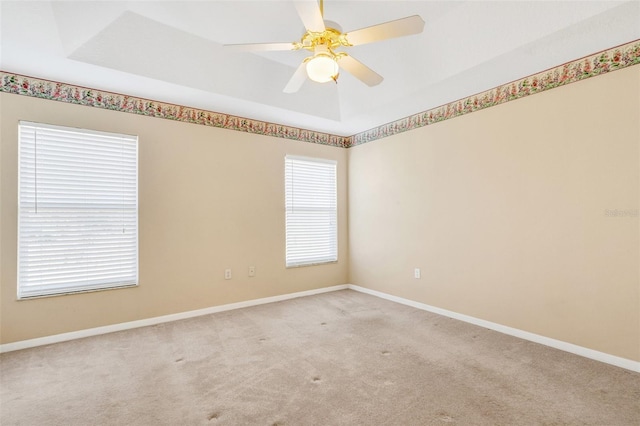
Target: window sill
{"points": [[302, 265], [72, 292]]}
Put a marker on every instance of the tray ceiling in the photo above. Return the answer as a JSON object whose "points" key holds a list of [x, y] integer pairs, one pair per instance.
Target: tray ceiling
{"points": [[172, 52]]}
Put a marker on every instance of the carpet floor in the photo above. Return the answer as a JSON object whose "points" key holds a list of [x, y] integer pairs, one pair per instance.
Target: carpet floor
{"points": [[339, 358]]}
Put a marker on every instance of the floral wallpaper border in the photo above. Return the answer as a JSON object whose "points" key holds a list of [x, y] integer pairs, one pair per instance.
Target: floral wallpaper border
{"points": [[56, 91], [590, 66], [596, 64]]}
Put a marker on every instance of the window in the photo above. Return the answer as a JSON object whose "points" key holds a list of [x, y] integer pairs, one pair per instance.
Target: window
{"points": [[78, 210], [311, 211]]}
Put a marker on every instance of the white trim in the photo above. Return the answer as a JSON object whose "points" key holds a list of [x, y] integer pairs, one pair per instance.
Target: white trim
{"points": [[311, 159], [72, 129], [536, 338], [57, 338], [547, 341]]}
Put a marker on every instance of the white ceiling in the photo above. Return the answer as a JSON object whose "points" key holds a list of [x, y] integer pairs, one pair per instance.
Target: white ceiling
{"points": [[171, 51]]}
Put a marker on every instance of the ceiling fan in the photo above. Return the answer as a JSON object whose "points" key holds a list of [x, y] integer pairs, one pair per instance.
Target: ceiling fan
{"points": [[324, 38]]}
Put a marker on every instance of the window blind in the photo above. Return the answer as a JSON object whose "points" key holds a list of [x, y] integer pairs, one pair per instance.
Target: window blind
{"points": [[78, 210], [311, 211]]}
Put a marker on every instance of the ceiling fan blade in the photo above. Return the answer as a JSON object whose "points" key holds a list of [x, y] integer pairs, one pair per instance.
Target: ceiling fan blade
{"points": [[398, 28], [311, 15], [259, 47], [299, 77], [360, 71]]}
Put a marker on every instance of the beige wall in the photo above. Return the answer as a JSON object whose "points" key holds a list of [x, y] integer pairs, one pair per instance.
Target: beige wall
{"points": [[504, 211], [209, 199]]}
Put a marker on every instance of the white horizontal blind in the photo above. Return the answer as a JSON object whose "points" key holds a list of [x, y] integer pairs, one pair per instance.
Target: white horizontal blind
{"points": [[311, 211], [78, 210]]}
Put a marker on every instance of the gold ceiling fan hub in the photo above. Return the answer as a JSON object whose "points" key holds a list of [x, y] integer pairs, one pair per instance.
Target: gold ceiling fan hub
{"points": [[330, 37]]}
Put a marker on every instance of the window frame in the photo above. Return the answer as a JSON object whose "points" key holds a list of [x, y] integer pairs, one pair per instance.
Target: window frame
{"points": [[332, 256], [84, 211]]}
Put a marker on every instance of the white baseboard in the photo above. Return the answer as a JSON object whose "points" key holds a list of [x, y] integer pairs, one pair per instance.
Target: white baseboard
{"points": [[557, 344], [57, 338]]}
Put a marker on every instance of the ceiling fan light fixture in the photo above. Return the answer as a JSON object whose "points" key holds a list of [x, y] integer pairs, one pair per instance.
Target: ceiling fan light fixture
{"points": [[326, 40], [322, 68]]}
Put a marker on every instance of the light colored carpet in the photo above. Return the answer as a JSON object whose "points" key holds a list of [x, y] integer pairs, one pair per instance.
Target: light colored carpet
{"points": [[341, 358]]}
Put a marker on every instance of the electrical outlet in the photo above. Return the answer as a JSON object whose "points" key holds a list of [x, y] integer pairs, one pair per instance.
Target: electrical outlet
{"points": [[416, 273], [227, 274], [252, 271]]}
